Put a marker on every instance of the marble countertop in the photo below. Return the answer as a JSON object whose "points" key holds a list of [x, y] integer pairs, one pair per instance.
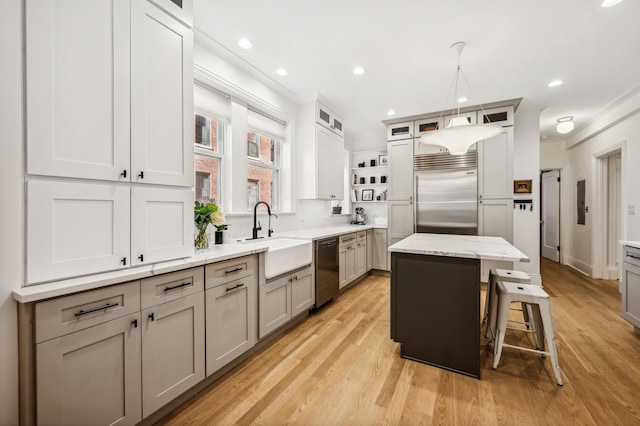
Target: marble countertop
{"points": [[327, 231], [215, 253], [635, 244], [466, 246]]}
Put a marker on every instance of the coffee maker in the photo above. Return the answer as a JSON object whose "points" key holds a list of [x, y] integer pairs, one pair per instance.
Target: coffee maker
{"points": [[360, 217]]}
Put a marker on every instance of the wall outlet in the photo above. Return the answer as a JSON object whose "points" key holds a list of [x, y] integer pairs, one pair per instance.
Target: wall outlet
{"points": [[631, 209]]}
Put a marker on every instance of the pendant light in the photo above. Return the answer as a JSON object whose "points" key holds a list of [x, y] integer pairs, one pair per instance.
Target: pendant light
{"points": [[459, 134]]}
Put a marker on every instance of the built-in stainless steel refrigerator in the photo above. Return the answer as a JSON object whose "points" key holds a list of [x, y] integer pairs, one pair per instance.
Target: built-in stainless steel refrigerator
{"points": [[446, 190]]}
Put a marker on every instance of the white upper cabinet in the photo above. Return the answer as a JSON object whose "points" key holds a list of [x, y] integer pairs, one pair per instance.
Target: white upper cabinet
{"points": [[400, 160], [77, 88], [161, 98], [109, 92], [400, 131], [76, 229], [502, 116], [470, 116], [182, 10], [328, 119], [161, 224], [495, 166], [320, 157]]}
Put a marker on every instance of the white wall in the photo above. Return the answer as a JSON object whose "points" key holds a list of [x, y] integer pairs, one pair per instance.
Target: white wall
{"points": [[11, 211], [553, 155], [526, 165], [619, 124]]}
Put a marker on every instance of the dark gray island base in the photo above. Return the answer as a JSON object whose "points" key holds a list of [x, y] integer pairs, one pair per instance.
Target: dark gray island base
{"points": [[435, 310]]}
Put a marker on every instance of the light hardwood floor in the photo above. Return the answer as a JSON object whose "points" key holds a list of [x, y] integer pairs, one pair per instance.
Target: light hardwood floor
{"points": [[339, 367]]}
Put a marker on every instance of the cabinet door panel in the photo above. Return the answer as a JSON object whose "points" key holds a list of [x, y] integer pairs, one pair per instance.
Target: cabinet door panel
{"points": [[231, 326], [631, 293], [380, 249], [400, 219], [302, 292], [400, 158], [342, 266], [172, 350], [329, 168], [361, 258], [275, 304], [77, 82], [91, 376], [85, 229], [495, 166], [495, 219], [369, 249], [161, 224], [161, 97]]}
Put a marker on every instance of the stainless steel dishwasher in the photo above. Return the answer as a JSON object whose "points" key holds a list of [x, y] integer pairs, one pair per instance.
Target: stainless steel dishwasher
{"points": [[327, 272]]}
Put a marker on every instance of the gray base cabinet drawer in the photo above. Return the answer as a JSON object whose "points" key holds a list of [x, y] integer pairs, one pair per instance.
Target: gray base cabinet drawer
{"points": [[167, 287], [229, 270], [64, 315]]}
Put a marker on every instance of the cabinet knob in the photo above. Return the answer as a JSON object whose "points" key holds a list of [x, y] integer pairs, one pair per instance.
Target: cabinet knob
{"points": [[141, 175], [152, 316], [123, 261], [123, 174], [141, 258], [135, 323]]}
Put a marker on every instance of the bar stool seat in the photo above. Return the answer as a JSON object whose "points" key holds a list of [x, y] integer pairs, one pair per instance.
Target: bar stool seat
{"points": [[538, 299], [491, 304]]}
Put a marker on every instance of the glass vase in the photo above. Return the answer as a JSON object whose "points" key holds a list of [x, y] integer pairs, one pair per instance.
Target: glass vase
{"points": [[202, 237]]}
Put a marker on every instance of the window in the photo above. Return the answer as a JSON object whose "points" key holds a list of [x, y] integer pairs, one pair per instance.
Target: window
{"points": [[263, 170], [253, 149], [210, 137]]}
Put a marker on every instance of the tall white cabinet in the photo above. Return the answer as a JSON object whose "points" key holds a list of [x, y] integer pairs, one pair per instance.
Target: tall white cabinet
{"points": [[320, 138], [110, 105]]}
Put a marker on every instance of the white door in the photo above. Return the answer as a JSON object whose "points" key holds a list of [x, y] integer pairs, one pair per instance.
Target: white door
{"points": [[76, 229], [614, 233], [172, 350], [161, 224], [77, 88], [161, 97], [91, 376], [550, 238]]}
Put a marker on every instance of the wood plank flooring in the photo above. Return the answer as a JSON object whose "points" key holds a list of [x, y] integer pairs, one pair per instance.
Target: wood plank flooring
{"points": [[339, 367]]}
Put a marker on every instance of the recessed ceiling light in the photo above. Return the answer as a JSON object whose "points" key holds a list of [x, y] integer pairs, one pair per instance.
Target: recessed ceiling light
{"points": [[555, 83], [462, 99], [245, 43], [565, 124], [609, 3], [358, 70], [391, 112], [282, 72]]}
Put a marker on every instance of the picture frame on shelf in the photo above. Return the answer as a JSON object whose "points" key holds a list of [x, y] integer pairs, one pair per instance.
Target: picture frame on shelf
{"points": [[522, 186], [382, 159], [367, 195]]}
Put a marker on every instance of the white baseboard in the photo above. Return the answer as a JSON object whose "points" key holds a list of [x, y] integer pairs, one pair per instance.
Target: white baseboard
{"points": [[612, 273], [580, 266]]}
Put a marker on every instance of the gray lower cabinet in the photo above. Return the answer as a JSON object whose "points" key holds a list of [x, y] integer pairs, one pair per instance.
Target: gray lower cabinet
{"points": [[283, 298], [369, 249], [380, 254], [230, 321], [173, 357], [91, 376], [631, 286]]}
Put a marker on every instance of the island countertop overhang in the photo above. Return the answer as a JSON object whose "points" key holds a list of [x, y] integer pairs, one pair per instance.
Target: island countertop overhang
{"points": [[464, 246]]}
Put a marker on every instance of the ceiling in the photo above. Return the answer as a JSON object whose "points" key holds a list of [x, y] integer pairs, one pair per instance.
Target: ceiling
{"points": [[513, 50]]}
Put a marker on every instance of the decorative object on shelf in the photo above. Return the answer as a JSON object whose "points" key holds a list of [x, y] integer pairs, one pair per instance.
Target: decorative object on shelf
{"points": [[377, 198], [372, 179], [382, 159], [522, 186], [383, 179], [361, 164], [367, 195], [337, 209], [355, 179], [373, 163], [205, 213], [460, 134], [362, 181]]}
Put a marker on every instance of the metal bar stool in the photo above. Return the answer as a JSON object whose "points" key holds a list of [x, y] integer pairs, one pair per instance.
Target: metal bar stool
{"points": [[491, 303], [538, 299]]}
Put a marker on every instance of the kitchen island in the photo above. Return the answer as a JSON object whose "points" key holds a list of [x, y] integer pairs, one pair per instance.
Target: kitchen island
{"points": [[435, 297]]}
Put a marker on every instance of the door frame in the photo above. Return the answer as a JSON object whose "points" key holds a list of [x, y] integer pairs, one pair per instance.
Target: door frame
{"points": [[559, 212], [599, 241]]}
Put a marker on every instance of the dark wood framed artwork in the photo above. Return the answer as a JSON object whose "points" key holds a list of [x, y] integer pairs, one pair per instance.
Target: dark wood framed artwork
{"points": [[522, 186]]}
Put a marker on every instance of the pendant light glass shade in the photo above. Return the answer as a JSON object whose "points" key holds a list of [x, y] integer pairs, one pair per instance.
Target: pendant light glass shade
{"points": [[459, 135]]}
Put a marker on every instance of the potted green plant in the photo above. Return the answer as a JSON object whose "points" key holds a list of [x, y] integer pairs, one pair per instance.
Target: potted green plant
{"points": [[205, 213]]}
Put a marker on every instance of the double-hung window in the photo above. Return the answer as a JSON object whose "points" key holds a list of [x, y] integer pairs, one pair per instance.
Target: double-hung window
{"points": [[211, 132], [264, 159]]}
